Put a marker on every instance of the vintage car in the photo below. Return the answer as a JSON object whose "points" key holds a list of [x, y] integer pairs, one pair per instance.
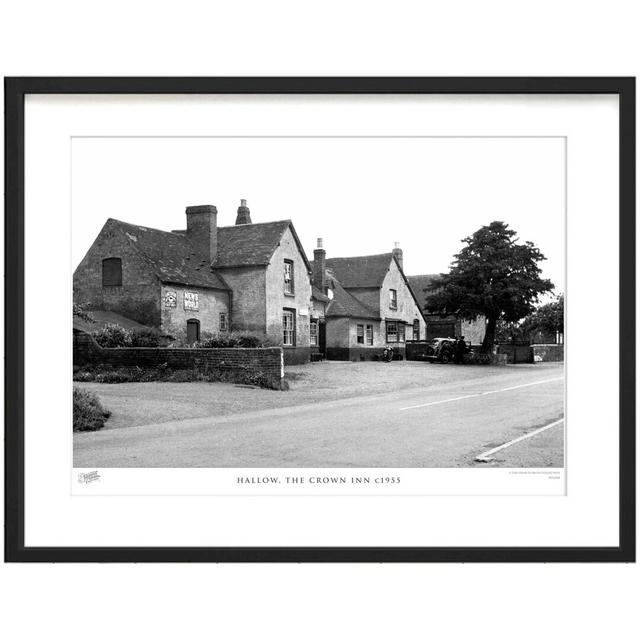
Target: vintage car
{"points": [[440, 350]]}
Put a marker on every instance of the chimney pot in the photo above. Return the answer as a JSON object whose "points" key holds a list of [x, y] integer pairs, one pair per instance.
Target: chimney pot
{"points": [[319, 243], [397, 252], [244, 215]]}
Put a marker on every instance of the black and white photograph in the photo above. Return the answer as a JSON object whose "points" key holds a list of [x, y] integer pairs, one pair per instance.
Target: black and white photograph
{"points": [[364, 320], [316, 302]]}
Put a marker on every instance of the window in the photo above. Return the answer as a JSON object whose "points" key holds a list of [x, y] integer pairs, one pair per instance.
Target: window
{"points": [[193, 330], [360, 334], [288, 277], [223, 322], [393, 299], [112, 272], [401, 329], [392, 331], [288, 327], [369, 334], [313, 333], [416, 329]]}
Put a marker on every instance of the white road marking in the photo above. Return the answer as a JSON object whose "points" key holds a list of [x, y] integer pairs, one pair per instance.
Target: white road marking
{"points": [[485, 457], [482, 393]]}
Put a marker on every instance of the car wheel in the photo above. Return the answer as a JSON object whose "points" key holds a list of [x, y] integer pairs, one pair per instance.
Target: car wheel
{"points": [[444, 358]]}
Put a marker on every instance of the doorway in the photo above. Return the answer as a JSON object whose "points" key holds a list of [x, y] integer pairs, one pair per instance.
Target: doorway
{"points": [[193, 330]]}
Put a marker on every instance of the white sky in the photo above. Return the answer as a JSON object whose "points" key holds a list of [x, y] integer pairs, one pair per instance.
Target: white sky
{"points": [[359, 194]]}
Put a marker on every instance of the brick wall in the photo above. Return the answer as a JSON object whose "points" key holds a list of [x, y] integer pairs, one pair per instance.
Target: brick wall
{"points": [[139, 296], [548, 352], [516, 353], [267, 361]]}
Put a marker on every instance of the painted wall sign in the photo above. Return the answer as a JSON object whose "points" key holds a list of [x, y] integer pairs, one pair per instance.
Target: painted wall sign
{"points": [[170, 299], [191, 300]]}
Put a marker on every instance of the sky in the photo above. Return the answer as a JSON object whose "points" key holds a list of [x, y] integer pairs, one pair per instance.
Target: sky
{"points": [[361, 195]]}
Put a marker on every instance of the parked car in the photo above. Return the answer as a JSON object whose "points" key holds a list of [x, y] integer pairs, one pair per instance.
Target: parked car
{"points": [[440, 350]]}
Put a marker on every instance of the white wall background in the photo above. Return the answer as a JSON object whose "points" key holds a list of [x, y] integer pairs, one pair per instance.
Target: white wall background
{"points": [[332, 38]]}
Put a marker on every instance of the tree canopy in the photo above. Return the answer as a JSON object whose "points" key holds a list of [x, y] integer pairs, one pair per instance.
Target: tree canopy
{"points": [[548, 318], [493, 276]]}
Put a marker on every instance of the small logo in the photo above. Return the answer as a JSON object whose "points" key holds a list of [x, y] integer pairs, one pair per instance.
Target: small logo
{"points": [[86, 478]]}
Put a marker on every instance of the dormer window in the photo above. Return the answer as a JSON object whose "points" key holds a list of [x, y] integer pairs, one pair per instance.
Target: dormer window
{"points": [[112, 272], [288, 277]]}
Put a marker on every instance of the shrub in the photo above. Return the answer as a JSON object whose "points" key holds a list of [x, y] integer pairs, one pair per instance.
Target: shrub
{"points": [[235, 340], [108, 374], [88, 412], [112, 336], [81, 312], [143, 338]]}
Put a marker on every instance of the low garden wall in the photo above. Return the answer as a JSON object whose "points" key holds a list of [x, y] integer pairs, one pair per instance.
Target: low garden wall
{"points": [[475, 357], [548, 352], [262, 365], [516, 353]]}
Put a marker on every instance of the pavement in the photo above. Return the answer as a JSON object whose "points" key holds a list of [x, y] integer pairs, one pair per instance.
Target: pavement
{"points": [[463, 412]]}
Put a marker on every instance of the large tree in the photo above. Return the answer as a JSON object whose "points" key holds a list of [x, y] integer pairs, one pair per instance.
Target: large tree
{"points": [[493, 276]]}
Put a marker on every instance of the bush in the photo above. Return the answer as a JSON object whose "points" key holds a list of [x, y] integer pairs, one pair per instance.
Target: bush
{"points": [[88, 412], [143, 338], [235, 340], [80, 311], [108, 374], [112, 336]]}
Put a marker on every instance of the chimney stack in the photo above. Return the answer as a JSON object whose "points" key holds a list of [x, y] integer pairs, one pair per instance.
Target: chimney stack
{"points": [[244, 215], [397, 252], [202, 231], [319, 257]]}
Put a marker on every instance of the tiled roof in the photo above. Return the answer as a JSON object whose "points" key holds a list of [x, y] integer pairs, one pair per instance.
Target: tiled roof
{"points": [[344, 304], [174, 260], [419, 283], [249, 244], [360, 271], [171, 256], [316, 294], [102, 318]]}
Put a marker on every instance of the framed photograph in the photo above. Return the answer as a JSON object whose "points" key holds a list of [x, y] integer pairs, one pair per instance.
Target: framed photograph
{"points": [[320, 319]]}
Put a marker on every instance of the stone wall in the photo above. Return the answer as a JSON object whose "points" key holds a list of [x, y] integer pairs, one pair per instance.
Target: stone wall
{"points": [[516, 353], [548, 352], [268, 361]]}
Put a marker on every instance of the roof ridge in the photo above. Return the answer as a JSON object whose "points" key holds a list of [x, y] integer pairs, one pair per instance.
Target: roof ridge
{"points": [[256, 224], [371, 255]]}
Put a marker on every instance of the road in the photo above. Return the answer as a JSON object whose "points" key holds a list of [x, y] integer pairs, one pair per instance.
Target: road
{"points": [[445, 425]]}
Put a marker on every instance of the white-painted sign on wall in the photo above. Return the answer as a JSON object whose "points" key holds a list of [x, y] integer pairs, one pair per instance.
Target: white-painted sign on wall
{"points": [[191, 300]]}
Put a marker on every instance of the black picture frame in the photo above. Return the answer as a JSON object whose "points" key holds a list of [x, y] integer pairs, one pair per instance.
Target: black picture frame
{"points": [[15, 91]]}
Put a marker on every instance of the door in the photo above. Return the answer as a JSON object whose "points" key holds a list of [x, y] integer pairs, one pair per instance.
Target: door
{"points": [[193, 331], [322, 338]]}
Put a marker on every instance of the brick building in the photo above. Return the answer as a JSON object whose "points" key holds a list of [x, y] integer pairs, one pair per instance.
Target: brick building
{"points": [[445, 326], [369, 305], [206, 278]]}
